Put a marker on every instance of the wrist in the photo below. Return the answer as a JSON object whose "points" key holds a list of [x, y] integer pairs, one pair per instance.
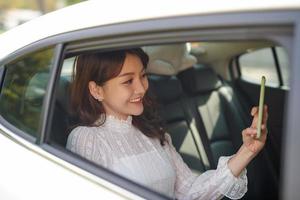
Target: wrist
{"points": [[240, 160], [246, 153]]}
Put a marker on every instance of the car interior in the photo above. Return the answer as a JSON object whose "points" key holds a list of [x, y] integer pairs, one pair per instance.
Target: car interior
{"points": [[205, 92]]}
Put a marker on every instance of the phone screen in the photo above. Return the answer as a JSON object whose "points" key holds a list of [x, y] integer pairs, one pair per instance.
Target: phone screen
{"points": [[261, 106]]}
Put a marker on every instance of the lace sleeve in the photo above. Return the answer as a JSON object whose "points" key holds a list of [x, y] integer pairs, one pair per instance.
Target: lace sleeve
{"points": [[213, 184], [86, 143]]}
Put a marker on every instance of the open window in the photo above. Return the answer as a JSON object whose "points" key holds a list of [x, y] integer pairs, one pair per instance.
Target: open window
{"points": [[203, 109]]}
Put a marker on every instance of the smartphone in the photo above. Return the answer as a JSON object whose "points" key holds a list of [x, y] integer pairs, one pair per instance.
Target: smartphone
{"points": [[261, 106]]}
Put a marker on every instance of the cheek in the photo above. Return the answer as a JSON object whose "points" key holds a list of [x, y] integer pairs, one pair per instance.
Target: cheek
{"points": [[123, 94], [117, 94], [146, 84]]}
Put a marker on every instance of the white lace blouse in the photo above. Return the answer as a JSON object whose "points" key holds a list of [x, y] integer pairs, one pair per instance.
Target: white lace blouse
{"points": [[122, 148]]}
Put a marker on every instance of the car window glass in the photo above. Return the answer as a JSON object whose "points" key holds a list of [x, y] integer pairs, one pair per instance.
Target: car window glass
{"points": [[62, 121], [284, 64], [67, 67], [259, 63], [24, 89]]}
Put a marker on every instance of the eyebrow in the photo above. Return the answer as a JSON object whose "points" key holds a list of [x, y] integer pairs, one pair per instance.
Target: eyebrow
{"points": [[130, 73]]}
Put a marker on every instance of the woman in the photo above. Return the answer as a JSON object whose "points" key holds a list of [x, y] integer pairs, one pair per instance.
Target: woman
{"points": [[120, 130]]}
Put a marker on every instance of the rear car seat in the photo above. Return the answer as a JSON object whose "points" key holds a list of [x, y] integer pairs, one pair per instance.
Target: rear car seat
{"points": [[223, 120], [202, 87], [61, 121], [168, 91]]}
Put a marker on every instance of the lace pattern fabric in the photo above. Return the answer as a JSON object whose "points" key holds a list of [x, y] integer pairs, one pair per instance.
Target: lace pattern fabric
{"points": [[122, 148]]}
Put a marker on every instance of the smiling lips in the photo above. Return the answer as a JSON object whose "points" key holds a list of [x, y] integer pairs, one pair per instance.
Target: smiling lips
{"points": [[136, 100]]}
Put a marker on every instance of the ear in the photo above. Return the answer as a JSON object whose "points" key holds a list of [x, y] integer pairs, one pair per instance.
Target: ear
{"points": [[96, 91]]}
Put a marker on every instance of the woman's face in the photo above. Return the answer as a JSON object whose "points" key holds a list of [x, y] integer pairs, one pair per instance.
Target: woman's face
{"points": [[123, 95]]}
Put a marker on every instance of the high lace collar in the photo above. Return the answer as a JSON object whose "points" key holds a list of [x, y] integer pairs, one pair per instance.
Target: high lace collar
{"points": [[114, 123], [115, 120]]}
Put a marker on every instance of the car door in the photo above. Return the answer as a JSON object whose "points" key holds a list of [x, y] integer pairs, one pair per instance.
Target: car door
{"points": [[27, 171], [150, 32]]}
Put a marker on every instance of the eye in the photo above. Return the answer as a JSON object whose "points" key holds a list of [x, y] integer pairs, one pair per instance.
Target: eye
{"points": [[144, 75], [128, 82]]}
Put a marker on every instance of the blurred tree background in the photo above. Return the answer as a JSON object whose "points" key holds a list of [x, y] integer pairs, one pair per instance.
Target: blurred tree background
{"points": [[15, 12], [42, 5], [24, 89]]}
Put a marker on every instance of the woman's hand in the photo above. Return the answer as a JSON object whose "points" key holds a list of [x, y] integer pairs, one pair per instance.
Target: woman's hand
{"points": [[251, 146], [249, 134]]}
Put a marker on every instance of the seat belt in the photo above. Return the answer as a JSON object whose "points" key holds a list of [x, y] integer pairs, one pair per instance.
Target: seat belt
{"points": [[198, 132]]}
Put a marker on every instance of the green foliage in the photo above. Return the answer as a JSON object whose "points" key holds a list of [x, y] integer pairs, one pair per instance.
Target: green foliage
{"points": [[34, 4], [24, 88], [10, 4], [71, 2]]}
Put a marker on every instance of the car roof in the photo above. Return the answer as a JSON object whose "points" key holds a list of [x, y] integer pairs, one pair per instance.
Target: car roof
{"points": [[96, 13]]}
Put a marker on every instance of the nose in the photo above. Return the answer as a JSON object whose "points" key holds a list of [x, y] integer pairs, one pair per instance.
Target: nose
{"points": [[141, 86]]}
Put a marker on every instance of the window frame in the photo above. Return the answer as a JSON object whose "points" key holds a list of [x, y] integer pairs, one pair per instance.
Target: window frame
{"points": [[81, 46], [277, 66], [3, 121]]}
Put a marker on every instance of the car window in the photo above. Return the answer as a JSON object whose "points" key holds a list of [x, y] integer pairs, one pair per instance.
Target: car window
{"points": [[67, 67], [24, 88], [284, 64], [262, 62], [192, 151], [259, 63]]}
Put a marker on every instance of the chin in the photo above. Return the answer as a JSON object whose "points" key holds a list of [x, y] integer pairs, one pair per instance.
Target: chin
{"points": [[138, 112]]}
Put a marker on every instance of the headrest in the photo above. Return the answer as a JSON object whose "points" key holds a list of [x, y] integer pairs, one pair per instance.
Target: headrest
{"points": [[199, 80], [165, 88], [37, 87], [169, 59], [62, 92]]}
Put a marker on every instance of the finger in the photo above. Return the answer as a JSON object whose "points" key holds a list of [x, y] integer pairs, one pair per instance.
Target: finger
{"points": [[254, 110], [264, 134], [250, 132], [266, 114], [255, 116], [265, 118], [254, 121], [264, 128], [266, 107]]}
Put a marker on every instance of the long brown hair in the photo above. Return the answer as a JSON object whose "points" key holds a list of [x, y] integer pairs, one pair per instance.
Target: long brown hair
{"points": [[101, 67]]}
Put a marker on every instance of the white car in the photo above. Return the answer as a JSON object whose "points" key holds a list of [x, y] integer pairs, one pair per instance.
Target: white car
{"points": [[206, 60]]}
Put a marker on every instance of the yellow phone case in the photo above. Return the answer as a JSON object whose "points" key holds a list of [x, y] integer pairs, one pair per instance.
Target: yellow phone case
{"points": [[261, 106]]}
